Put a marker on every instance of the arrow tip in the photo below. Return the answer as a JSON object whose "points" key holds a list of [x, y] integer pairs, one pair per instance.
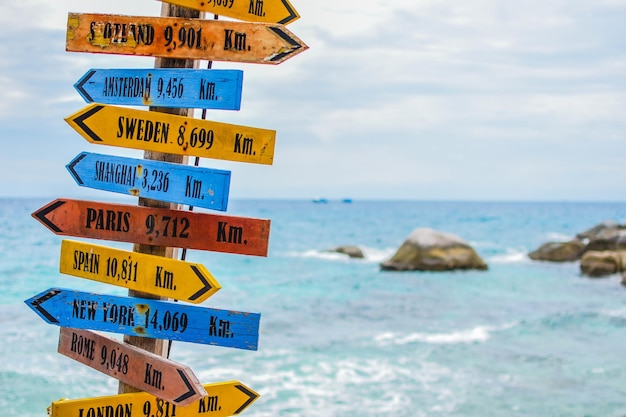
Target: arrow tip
{"points": [[70, 167], [79, 86]]}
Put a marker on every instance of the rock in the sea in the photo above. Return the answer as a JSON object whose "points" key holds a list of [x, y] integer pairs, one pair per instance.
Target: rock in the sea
{"points": [[608, 239], [591, 234], [351, 251], [597, 264], [429, 250], [559, 251]]}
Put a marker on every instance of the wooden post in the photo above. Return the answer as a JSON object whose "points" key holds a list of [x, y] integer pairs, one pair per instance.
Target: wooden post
{"points": [[158, 346]]}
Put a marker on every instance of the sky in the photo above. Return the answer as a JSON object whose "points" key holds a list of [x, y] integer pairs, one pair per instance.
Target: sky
{"points": [[394, 99]]}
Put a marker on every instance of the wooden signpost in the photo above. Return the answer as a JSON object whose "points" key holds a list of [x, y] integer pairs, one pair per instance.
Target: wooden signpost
{"points": [[178, 135], [147, 318], [269, 11], [150, 274], [156, 226], [224, 399], [163, 182], [195, 186], [151, 373], [163, 87], [261, 43]]}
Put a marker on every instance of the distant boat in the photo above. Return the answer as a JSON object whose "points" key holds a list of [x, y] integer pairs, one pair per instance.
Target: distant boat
{"points": [[320, 200], [346, 200]]}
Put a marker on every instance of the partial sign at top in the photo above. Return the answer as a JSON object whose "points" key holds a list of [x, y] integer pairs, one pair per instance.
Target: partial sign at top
{"points": [[268, 11], [167, 37]]}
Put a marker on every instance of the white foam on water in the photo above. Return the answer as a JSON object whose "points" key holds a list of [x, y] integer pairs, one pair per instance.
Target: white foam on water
{"points": [[474, 335], [511, 256]]}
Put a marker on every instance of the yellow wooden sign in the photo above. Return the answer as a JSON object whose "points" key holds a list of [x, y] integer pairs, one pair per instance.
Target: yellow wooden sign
{"points": [[223, 399], [162, 132], [268, 11], [164, 277], [168, 37]]}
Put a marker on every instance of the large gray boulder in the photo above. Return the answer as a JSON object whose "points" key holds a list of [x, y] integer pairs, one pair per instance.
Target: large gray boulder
{"points": [[429, 250]]}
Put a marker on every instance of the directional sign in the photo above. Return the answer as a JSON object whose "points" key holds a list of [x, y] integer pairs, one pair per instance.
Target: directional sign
{"points": [[150, 274], [167, 37], [179, 135], [165, 181], [147, 318], [224, 399], [156, 226], [141, 369], [269, 11], [163, 87]]}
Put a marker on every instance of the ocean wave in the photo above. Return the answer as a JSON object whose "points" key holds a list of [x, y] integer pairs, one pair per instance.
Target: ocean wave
{"points": [[511, 256], [558, 237], [370, 255], [474, 335]]}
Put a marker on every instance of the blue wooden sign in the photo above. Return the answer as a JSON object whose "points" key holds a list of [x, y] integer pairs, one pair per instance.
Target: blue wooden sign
{"points": [[147, 318], [175, 183], [166, 87]]}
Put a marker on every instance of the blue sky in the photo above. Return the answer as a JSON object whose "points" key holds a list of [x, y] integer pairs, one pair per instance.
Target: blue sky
{"points": [[395, 99]]}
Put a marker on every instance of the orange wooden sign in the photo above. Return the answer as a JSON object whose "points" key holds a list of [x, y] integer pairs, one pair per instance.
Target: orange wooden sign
{"points": [[156, 226], [143, 370], [216, 40]]}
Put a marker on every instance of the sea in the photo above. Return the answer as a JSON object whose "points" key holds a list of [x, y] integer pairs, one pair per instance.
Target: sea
{"points": [[339, 337]]}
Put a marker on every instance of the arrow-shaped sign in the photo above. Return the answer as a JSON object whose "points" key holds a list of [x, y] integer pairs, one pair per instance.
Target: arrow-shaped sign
{"points": [[269, 11], [141, 369], [156, 226], [150, 274], [224, 399], [167, 37], [165, 181], [147, 318], [179, 135], [163, 87]]}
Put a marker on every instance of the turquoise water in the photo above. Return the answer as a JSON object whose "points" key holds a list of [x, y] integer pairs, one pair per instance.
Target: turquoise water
{"points": [[341, 338]]}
